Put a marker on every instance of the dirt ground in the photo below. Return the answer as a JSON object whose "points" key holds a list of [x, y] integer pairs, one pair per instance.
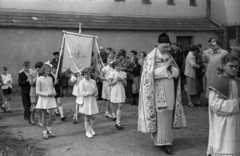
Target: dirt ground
{"points": [[71, 140]]}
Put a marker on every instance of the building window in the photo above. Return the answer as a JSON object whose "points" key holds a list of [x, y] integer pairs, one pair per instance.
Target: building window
{"points": [[120, 0], [193, 3], [170, 2], [146, 1]]}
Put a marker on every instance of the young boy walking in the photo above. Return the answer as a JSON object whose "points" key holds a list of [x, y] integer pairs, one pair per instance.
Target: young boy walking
{"points": [[224, 114]]}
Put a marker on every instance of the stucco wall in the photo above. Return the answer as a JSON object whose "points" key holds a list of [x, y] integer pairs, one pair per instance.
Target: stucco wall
{"points": [[225, 11], [35, 45], [111, 7]]}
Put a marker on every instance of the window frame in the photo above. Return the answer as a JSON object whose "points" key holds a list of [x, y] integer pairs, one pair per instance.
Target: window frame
{"points": [[146, 1], [171, 3], [119, 0], [191, 4]]}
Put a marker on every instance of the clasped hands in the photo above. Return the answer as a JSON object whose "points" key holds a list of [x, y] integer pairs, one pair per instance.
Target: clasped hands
{"points": [[94, 93], [119, 79], [52, 95]]}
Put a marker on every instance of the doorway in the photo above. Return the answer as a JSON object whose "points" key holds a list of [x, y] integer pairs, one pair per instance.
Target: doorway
{"points": [[185, 42]]}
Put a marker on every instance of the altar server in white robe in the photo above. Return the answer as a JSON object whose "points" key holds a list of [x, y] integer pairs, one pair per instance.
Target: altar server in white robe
{"points": [[224, 115]]}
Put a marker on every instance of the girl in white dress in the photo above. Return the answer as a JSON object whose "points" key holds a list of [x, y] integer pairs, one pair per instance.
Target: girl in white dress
{"points": [[117, 81], [46, 99], [88, 106], [106, 91], [76, 92]]}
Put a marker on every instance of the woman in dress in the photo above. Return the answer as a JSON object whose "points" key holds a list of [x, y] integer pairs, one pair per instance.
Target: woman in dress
{"points": [[46, 99], [135, 70], [193, 85]]}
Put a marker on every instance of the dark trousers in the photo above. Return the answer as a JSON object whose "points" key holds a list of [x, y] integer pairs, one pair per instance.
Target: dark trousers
{"points": [[135, 98], [26, 105], [99, 87]]}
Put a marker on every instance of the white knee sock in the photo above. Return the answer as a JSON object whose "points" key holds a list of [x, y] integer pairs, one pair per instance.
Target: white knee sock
{"points": [[118, 116], [61, 111], [7, 106], [91, 127], [87, 127], [56, 110], [4, 104]]}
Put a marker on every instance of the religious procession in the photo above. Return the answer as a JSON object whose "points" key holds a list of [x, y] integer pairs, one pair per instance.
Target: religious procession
{"points": [[145, 99]]}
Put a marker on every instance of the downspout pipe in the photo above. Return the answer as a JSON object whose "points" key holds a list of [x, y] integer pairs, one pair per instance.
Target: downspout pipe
{"points": [[208, 14]]}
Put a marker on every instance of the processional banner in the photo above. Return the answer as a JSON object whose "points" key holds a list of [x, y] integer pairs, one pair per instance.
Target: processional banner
{"points": [[77, 52]]}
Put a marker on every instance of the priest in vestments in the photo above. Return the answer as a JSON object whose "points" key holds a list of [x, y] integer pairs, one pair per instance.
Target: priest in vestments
{"points": [[160, 105], [224, 114]]}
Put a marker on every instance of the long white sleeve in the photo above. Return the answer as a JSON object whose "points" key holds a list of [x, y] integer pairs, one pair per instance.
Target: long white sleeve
{"points": [[160, 73], [38, 89], [83, 91], [222, 106]]}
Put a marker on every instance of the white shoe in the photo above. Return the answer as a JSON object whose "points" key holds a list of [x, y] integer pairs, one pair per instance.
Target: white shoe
{"points": [[88, 135], [108, 115], [92, 131]]}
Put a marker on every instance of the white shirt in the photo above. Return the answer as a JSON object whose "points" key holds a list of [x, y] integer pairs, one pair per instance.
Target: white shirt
{"points": [[5, 79]]}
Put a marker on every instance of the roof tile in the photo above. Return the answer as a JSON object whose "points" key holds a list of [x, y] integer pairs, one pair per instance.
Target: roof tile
{"points": [[55, 20]]}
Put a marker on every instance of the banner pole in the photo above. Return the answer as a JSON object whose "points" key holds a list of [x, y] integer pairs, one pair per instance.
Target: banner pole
{"points": [[99, 53], [60, 56]]}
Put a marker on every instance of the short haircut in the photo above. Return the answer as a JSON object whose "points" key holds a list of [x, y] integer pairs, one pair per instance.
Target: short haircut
{"points": [[86, 70], [39, 65], [122, 50], [229, 58], [4, 68], [26, 63], [134, 52], [109, 48], [115, 63], [43, 69], [210, 39], [144, 53]]}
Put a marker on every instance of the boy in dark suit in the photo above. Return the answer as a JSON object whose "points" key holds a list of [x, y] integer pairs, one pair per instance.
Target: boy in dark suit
{"points": [[23, 82]]}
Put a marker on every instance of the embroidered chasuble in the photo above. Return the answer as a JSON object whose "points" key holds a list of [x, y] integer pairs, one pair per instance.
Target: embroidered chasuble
{"points": [[160, 106]]}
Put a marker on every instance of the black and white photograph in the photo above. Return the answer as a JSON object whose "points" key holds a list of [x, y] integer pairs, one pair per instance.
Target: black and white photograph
{"points": [[119, 77]]}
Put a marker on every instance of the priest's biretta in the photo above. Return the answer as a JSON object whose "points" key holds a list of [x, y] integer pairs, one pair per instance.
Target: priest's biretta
{"points": [[163, 38]]}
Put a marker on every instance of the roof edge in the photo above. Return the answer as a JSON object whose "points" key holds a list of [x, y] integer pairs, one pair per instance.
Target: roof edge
{"points": [[97, 14]]}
